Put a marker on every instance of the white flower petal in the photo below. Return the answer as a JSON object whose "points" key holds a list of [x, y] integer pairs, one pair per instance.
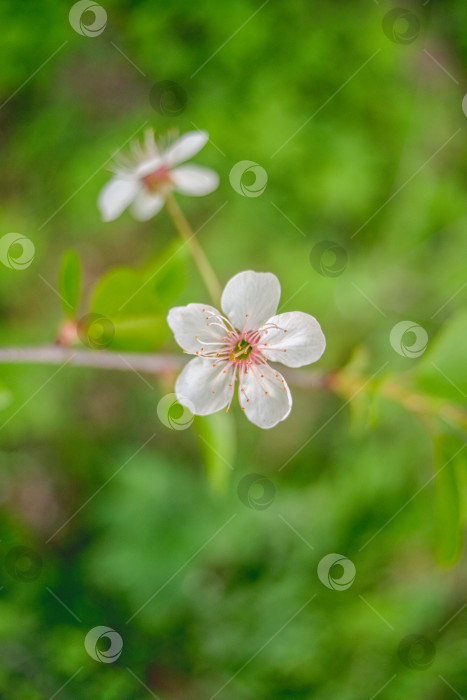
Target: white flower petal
{"points": [[303, 343], [203, 387], [115, 196], [185, 147], [148, 166], [250, 298], [193, 321], [266, 397], [146, 205], [195, 180]]}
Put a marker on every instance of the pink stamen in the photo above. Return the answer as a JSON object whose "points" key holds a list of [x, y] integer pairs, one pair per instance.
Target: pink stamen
{"points": [[237, 352], [159, 178]]}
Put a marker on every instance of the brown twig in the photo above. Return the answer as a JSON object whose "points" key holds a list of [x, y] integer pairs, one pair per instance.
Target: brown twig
{"points": [[149, 363], [102, 359]]}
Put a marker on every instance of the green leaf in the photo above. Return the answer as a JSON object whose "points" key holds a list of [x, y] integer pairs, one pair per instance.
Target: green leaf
{"points": [[69, 285], [218, 445], [130, 304], [442, 371], [6, 397], [449, 504], [166, 274]]}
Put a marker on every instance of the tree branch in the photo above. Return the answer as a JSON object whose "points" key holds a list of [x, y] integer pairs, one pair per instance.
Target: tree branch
{"points": [[102, 359], [148, 363]]}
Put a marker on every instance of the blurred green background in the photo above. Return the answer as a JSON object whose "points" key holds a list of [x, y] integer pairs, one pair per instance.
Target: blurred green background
{"points": [[230, 614]]}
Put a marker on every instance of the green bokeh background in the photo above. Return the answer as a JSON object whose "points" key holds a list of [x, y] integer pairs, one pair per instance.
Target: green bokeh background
{"points": [[226, 608]]}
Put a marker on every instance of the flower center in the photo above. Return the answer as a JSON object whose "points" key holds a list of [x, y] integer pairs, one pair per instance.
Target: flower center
{"points": [[157, 179], [241, 351]]}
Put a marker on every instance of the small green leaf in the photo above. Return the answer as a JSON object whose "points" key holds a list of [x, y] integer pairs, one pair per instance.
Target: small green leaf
{"points": [[139, 333], [166, 274], [442, 371], [449, 506], [70, 282], [6, 397], [218, 446], [131, 305]]}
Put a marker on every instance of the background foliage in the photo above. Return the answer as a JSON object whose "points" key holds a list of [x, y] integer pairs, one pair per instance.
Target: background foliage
{"points": [[365, 465]]}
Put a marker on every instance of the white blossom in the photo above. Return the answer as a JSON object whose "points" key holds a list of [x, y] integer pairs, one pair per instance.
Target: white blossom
{"points": [[143, 181], [239, 344]]}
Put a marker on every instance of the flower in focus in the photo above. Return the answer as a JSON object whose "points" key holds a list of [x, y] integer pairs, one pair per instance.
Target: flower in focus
{"points": [[143, 180], [238, 345]]}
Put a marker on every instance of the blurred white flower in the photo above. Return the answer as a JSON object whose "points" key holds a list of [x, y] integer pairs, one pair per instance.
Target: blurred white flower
{"points": [[144, 179], [239, 345]]}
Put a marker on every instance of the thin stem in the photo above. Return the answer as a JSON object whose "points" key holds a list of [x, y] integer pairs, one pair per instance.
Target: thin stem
{"points": [[419, 404], [101, 359], [199, 256], [127, 361]]}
